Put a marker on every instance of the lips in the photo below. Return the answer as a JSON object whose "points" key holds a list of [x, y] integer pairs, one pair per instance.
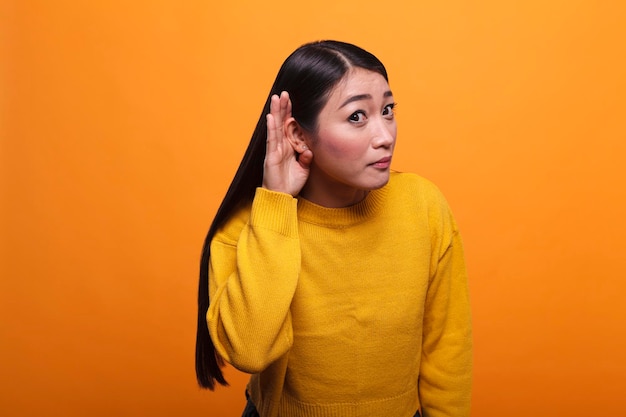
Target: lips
{"points": [[382, 163]]}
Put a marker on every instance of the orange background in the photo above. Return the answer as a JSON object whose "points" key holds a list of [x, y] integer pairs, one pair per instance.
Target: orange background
{"points": [[122, 124]]}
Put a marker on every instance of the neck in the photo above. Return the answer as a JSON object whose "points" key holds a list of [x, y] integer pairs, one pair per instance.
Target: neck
{"points": [[332, 197]]}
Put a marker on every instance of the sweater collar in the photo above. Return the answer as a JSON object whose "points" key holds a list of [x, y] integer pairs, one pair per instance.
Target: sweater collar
{"points": [[345, 216]]}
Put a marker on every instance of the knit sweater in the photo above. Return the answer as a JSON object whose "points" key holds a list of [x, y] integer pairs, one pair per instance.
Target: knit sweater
{"points": [[345, 312]]}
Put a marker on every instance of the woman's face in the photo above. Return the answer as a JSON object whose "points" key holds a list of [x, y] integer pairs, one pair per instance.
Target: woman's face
{"points": [[354, 142]]}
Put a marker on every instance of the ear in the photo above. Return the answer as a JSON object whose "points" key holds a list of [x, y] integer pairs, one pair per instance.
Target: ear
{"points": [[295, 135]]}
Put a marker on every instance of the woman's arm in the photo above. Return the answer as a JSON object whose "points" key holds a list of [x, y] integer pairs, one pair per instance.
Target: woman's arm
{"points": [[253, 273], [252, 280], [446, 367]]}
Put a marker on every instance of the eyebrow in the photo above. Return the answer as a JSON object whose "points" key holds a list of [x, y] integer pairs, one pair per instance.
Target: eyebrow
{"points": [[359, 97]]}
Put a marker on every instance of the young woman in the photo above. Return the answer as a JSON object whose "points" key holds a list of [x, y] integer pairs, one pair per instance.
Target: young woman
{"points": [[339, 284]]}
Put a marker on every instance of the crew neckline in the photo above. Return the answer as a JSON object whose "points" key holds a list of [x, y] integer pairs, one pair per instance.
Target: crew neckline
{"points": [[342, 217]]}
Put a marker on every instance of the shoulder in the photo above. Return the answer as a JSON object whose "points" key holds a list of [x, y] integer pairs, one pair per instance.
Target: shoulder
{"points": [[412, 187], [230, 231], [415, 195]]}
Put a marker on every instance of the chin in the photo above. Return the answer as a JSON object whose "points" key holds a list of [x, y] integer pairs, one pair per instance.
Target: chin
{"points": [[380, 183]]}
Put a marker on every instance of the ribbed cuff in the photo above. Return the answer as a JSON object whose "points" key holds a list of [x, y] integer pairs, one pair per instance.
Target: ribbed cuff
{"points": [[275, 211]]}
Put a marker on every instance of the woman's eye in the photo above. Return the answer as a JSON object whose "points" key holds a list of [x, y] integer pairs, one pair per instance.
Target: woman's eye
{"points": [[357, 117], [388, 110]]}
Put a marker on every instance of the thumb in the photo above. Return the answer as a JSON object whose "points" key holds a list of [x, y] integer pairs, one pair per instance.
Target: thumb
{"points": [[305, 159]]}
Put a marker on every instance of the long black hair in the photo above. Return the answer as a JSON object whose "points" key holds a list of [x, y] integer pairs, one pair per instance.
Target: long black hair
{"points": [[308, 75]]}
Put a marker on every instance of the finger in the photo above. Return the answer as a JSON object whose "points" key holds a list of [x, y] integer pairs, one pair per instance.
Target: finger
{"points": [[271, 143], [285, 106], [277, 108], [276, 127], [274, 104]]}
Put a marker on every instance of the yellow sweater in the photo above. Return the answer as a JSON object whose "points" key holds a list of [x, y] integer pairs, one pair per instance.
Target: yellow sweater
{"points": [[353, 312]]}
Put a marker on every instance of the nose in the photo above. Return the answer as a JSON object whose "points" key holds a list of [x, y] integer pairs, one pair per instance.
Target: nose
{"points": [[384, 133]]}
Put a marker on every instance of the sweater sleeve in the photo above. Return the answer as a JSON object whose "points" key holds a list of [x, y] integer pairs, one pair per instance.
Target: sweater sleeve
{"points": [[446, 366], [252, 281]]}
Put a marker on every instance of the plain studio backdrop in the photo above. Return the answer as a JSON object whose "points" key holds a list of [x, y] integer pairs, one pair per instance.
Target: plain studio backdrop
{"points": [[122, 124]]}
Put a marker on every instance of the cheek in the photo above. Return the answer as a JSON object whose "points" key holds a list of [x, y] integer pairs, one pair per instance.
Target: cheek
{"points": [[341, 147]]}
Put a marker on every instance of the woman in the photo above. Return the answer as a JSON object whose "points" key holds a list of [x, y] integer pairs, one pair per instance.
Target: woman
{"points": [[338, 284]]}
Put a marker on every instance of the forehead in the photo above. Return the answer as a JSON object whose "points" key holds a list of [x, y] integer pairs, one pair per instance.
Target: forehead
{"points": [[359, 81]]}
